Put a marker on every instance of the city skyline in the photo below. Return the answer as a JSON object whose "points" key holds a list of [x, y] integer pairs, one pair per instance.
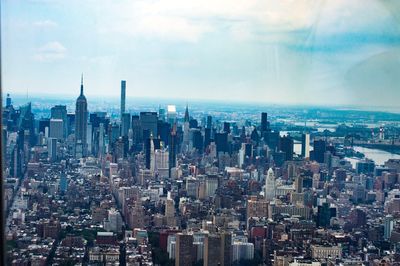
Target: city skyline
{"points": [[303, 52]]}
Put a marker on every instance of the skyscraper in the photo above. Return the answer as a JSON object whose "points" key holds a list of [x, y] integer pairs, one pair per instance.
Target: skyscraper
{"points": [[227, 127], [52, 149], [305, 145], [209, 121], [187, 118], [161, 114], [148, 123], [221, 140], [172, 150], [183, 249], [226, 249], [125, 124], [319, 150], [298, 184], [60, 112], [212, 250], [270, 185], [8, 100], [185, 144], [388, 226], [123, 97], [81, 118], [264, 123], [171, 114], [286, 145], [56, 128]]}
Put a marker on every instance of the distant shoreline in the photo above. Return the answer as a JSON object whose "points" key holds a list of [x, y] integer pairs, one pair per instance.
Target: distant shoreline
{"points": [[20, 99]]}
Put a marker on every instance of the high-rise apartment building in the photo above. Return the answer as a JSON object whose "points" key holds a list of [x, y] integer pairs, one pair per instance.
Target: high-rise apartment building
{"points": [[305, 145], [183, 249], [123, 97]]}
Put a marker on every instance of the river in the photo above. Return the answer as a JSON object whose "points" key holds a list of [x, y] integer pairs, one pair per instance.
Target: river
{"points": [[378, 156]]}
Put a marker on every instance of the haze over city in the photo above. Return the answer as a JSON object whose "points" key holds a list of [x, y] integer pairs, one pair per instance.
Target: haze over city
{"points": [[303, 52]]}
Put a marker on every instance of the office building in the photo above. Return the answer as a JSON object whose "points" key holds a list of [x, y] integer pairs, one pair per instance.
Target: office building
{"points": [[365, 166], [227, 127], [286, 145], [272, 139], [148, 124], [136, 129], [388, 226], [171, 114], [221, 141], [270, 185], [81, 119], [212, 250], [161, 114], [209, 121], [63, 183], [52, 149], [60, 112], [319, 150], [56, 129], [264, 123]]}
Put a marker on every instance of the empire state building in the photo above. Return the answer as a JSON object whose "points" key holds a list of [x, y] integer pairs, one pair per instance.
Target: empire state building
{"points": [[81, 118]]}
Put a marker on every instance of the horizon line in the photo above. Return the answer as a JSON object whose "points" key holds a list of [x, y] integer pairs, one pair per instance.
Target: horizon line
{"points": [[355, 107]]}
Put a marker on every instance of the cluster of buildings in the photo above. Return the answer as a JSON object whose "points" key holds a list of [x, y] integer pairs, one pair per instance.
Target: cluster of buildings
{"points": [[164, 188]]}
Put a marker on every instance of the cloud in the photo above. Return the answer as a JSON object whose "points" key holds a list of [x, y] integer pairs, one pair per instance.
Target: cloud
{"points": [[189, 21], [45, 24], [161, 27], [288, 22], [347, 25], [50, 52]]}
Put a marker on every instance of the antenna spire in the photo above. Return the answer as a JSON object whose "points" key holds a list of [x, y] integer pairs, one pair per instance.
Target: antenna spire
{"points": [[82, 84]]}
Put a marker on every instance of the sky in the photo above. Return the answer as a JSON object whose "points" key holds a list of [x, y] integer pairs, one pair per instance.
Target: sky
{"points": [[318, 52]]}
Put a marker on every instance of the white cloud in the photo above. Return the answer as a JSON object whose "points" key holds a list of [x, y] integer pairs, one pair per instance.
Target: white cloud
{"points": [[49, 52], [45, 24], [190, 20]]}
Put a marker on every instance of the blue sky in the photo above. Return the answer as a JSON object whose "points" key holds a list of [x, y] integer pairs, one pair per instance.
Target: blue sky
{"points": [[290, 51]]}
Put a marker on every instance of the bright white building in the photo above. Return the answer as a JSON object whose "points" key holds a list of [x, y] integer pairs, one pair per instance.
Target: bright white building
{"points": [[270, 185]]}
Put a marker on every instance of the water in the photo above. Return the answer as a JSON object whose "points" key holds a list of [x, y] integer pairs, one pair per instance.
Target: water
{"points": [[378, 156]]}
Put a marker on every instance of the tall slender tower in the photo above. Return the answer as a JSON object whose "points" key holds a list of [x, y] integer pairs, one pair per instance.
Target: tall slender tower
{"points": [[172, 150], [270, 185], [185, 146], [187, 113], [123, 97], [305, 145], [81, 118]]}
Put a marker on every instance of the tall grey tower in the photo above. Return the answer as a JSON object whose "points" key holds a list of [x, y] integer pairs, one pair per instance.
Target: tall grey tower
{"points": [[270, 185], [81, 118], [123, 97]]}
